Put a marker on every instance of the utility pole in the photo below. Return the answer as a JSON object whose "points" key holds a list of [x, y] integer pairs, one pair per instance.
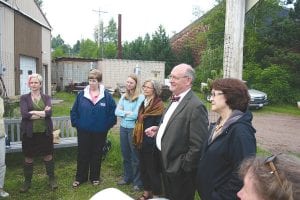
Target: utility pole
{"points": [[234, 37], [100, 31], [119, 36]]}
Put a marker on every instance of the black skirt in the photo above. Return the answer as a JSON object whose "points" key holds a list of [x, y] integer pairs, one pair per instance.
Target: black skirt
{"points": [[39, 144]]}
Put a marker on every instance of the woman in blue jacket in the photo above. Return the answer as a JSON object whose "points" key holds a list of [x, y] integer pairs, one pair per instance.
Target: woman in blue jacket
{"points": [[93, 115], [127, 110], [231, 140]]}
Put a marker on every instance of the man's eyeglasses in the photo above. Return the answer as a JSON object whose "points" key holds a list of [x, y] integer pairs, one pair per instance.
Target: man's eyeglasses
{"points": [[176, 77], [270, 162], [144, 87]]}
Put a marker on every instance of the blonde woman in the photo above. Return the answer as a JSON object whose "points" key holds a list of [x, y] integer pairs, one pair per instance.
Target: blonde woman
{"points": [[127, 110], [36, 130]]}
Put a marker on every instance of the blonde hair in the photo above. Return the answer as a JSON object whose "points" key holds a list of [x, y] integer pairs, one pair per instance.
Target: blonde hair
{"points": [[137, 90], [38, 76]]}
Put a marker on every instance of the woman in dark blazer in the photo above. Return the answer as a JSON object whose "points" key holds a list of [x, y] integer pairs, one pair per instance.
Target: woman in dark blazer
{"points": [[36, 130], [150, 113], [231, 140]]}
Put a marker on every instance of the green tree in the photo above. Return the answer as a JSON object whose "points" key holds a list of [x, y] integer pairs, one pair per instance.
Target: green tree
{"points": [[76, 48], [272, 39], [108, 39], [161, 48], [139, 49], [211, 65], [57, 41], [110, 50], [295, 14], [58, 52], [275, 80], [211, 58], [88, 49], [111, 32]]}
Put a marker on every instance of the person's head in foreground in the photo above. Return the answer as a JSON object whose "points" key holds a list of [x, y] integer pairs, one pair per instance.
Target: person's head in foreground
{"points": [[271, 178]]}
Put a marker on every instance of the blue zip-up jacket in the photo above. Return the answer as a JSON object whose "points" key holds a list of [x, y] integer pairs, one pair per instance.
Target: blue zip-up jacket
{"points": [[94, 118], [124, 105]]}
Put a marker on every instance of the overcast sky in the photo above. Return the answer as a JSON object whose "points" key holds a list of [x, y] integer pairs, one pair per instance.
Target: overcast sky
{"points": [[76, 20]]}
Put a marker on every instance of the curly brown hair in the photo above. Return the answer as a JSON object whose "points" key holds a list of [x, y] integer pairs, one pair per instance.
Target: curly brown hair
{"points": [[235, 91]]}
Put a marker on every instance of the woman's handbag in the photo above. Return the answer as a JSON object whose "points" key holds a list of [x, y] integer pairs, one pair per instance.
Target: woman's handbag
{"points": [[106, 148], [56, 138]]}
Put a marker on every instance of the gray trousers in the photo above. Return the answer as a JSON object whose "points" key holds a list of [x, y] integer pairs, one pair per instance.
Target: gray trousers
{"points": [[2, 161]]}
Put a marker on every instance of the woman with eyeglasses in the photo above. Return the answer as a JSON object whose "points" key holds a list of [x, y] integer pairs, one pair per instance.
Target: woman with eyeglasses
{"points": [[232, 139], [274, 177], [92, 115], [150, 113], [127, 110]]}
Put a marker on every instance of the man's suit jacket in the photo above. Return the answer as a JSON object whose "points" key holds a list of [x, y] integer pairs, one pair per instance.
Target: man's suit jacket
{"points": [[184, 135]]}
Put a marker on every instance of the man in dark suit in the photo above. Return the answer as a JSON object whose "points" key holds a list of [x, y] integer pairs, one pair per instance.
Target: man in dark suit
{"points": [[180, 135]]}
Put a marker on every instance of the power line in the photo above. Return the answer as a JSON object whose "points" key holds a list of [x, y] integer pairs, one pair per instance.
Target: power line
{"points": [[100, 30]]}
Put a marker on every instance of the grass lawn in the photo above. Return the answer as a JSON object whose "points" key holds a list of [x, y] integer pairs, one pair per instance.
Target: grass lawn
{"points": [[65, 161], [280, 109]]}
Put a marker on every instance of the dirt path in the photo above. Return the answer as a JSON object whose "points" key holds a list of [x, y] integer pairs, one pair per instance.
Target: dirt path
{"points": [[277, 133]]}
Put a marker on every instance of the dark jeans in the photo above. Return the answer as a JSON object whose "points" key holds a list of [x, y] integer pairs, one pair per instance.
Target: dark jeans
{"points": [[89, 155]]}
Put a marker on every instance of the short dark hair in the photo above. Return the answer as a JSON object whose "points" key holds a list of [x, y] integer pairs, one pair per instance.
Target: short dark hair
{"points": [[235, 92]]}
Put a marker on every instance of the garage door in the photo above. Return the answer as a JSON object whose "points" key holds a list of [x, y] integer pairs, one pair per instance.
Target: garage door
{"points": [[27, 67]]}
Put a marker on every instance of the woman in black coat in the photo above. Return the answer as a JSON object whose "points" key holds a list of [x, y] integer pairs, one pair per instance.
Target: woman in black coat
{"points": [[231, 140]]}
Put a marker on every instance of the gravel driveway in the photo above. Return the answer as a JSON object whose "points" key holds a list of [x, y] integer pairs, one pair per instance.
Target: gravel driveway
{"points": [[277, 133]]}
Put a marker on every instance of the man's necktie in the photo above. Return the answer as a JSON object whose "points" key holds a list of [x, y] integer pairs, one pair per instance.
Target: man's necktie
{"points": [[175, 98]]}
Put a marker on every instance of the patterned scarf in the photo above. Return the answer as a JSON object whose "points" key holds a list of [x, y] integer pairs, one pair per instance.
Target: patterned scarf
{"points": [[154, 108]]}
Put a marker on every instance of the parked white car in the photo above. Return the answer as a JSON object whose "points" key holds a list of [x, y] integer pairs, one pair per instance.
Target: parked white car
{"points": [[257, 99]]}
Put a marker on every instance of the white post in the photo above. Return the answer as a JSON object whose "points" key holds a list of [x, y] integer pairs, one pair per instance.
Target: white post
{"points": [[234, 39]]}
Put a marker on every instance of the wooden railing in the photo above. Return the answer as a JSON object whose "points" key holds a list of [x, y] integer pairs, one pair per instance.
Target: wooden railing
{"points": [[68, 134]]}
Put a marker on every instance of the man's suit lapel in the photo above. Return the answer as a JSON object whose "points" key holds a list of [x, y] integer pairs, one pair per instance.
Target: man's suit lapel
{"points": [[179, 108]]}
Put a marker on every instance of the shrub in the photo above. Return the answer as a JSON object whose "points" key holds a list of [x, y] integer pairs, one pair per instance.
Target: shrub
{"points": [[273, 80]]}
